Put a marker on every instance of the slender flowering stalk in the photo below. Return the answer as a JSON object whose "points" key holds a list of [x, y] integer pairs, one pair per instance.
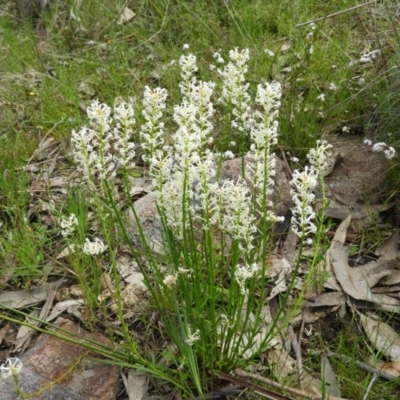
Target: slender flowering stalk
{"points": [[243, 273], [151, 132], [302, 185], [264, 135], [188, 69], [321, 157], [235, 88], [124, 118], [107, 144], [99, 115], [239, 220]]}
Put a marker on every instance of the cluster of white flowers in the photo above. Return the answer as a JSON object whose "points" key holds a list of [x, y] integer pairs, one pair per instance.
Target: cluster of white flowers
{"points": [[244, 273], [184, 172], [100, 149], [191, 338], [302, 186], [235, 88], [370, 56], [320, 157], [389, 151], [264, 135], [94, 247], [232, 203], [68, 225], [151, 132], [11, 367], [170, 280]]}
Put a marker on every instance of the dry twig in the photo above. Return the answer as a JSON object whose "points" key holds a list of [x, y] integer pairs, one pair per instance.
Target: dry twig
{"points": [[335, 14]]}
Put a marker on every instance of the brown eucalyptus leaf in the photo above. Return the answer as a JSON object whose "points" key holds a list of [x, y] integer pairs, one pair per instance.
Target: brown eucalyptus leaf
{"points": [[331, 383], [383, 337], [126, 16], [63, 306], [388, 249], [340, 236], [330, 299], [393, 278], [281, 363], [23, 298], [341, 231], [135, 384], [356, 281], [3, 332]]}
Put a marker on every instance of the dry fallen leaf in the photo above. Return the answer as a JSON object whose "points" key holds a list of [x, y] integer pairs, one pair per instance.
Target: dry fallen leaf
{"points": [[388, 249], [331, 384], [23, 298], [357, 281], [126, 16], [135, 384], [329, 299], [383, 337]]}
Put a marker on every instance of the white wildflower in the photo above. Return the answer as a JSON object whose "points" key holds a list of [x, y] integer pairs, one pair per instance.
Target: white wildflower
{"points": [[185, 46], [320, 156], [191, 338], [369, 57], [269, 52], [390, 152], [68, 225], [99, 113], [321, 97], [92, 147], [151, 132], [11, 367], [302, 185], [185, 271], [94, 248], [332, 86], [311, 50], [243, 273], [228, 154], [346, 129], [235, 88], [235, 216], [380, 146], [124, 147], [170, 280]]}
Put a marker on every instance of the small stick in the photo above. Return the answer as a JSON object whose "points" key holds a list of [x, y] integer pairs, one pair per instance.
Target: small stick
{"points": [[371, 384], [335, 14], [297, 392], [365, 367]]}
